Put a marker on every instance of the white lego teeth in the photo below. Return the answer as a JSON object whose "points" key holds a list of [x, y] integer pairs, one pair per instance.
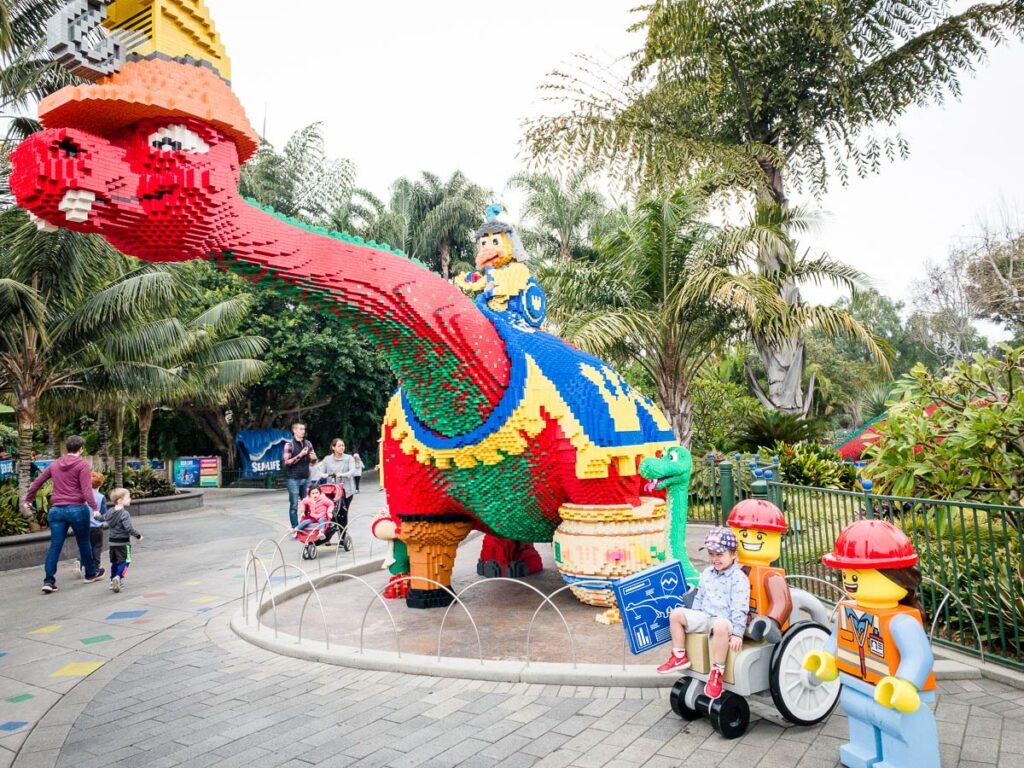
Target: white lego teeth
{"points": [[42, 224], [77, 204]]}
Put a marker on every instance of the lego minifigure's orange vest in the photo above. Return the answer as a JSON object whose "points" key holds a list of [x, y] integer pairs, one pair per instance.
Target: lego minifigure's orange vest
{"points": [[760, 596], [864, 646]]}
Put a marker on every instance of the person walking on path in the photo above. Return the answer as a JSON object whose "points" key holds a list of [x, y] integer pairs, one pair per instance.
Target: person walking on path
{"points": [[340, 468], [121, 531], [357, 469], [96, 522], [298, 455], [72, 503]]}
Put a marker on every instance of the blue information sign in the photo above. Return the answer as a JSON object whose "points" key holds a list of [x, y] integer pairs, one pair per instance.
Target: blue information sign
{"points": [[645, 601], [6, 468]]}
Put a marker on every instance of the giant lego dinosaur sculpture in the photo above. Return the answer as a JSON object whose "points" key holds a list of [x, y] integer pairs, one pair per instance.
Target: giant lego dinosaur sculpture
{"points": [[495, 425]]}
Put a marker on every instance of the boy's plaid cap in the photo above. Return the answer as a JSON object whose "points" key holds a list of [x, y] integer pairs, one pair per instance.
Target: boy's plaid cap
{"points": [[719, 540]]}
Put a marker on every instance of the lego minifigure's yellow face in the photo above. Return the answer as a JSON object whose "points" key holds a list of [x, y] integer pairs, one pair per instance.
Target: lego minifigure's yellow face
{"points": [[493, 249], [758, 547], [872, 589]]}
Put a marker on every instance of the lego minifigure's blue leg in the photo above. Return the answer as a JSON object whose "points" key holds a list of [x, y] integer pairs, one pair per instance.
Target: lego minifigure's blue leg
{"points": [[865, 747], [910, 740]]}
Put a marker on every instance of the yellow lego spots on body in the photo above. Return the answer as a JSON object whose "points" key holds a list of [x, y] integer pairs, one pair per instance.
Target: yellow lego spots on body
{"points": [[592, 461], [870, 589], [758, 547]]}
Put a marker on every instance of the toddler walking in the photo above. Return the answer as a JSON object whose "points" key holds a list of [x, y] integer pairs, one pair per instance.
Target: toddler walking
{"points": [[121, 531]]}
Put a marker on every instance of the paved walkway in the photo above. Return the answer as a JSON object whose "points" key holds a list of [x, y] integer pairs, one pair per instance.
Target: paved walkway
{"points": [[154, 677]]}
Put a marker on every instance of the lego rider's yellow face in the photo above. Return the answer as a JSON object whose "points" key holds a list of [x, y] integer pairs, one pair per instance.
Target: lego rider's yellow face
{"points": [[872, 589], [493, 249], [758, 547]]}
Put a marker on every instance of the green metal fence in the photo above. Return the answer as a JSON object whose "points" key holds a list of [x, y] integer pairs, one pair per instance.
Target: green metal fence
{"points": [[969, 553]]}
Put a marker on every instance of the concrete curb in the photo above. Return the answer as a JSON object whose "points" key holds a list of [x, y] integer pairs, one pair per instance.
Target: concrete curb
{"points": [[27, 550], [262, 635]]}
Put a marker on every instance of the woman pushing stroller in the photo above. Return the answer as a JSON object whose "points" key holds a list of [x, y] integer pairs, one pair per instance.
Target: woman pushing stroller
{"points": [[339, 469]]}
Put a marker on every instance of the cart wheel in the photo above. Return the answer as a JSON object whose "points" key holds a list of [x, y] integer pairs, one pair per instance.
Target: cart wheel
{"points": [[313, 551], [678, 698], [798, 694], [730, 715], [305, 553], [347, 542]]}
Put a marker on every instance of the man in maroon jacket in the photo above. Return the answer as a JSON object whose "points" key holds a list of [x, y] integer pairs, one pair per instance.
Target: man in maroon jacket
{"points": [[72, 506]]}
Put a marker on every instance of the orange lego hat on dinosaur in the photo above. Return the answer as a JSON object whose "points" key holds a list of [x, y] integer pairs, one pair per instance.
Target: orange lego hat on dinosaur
{"points": [[154, 87]]}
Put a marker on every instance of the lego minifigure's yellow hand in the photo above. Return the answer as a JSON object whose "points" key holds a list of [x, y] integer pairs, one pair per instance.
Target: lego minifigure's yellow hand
{"points": [[822, 664], [894, 693], [471, 282]]}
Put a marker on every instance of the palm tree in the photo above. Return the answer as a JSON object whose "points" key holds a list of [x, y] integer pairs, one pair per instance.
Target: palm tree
{"points": [[430, 219], [301, 181], [669, 289], [559, 211], [213, 365], [79, 320]]}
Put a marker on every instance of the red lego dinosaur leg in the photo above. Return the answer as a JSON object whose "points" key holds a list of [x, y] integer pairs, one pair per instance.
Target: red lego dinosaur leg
{"points": [[503, 557]]}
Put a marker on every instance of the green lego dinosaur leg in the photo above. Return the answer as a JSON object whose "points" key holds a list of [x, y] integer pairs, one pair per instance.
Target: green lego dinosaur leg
{"points": [[678, 499]]}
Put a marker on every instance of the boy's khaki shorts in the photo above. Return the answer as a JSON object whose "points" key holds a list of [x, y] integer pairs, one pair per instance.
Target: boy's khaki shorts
{"points": [[698, 621]]}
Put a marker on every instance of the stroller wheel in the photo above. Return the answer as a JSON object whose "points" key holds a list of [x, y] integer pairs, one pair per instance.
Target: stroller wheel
{"points": [[347, 542], [312, 552], [309, 551]]}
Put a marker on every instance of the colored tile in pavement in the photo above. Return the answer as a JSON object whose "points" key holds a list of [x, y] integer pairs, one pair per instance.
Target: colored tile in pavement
{"points": [[204, 599], [20, 698], [2, 654], [191, 583], [96, 639], [151, 595], [125, 615], [78, 669], [142, 621], [203, 610], [12, 725], [45, 630]]}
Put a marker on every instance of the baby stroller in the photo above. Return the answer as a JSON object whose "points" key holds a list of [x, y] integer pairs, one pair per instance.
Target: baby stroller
{"points": [[339, 518], [314, 536]]}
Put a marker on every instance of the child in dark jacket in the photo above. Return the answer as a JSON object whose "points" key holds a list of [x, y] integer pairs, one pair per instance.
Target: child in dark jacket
{"points": [[121, 531]]}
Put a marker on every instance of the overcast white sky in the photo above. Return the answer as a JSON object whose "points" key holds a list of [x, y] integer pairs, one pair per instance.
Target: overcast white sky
{"points": [[406, 86]]}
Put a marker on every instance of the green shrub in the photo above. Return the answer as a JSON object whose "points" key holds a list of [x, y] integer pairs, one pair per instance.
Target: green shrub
{"points": [[814, 466], [969, 447], [12, 522], [143, 484], [771, 427]]}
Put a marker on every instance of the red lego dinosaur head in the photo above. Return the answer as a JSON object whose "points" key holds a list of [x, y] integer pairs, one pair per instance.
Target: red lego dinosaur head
{"points": [[148, 157]]}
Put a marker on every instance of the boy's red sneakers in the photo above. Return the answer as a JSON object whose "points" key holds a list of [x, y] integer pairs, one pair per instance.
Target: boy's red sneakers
{"points": [[713, 687], [675, 664]]}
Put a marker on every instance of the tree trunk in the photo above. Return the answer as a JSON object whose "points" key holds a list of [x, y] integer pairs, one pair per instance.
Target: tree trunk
{"points": [[145, 423], [26, 407], [674, 397], [565, 251], [103, 449], [118, 435], [446, 259], [785, 363]]}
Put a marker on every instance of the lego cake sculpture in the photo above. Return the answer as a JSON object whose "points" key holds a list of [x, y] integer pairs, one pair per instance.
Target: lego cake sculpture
{"points": [[496, 424]]}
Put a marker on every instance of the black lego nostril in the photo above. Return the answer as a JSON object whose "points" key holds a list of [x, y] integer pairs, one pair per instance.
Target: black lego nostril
{"points": [[70, 148]]}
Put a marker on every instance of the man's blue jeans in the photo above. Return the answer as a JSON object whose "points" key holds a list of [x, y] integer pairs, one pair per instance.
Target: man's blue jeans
{"points": [[296, 490], [75, 517]]}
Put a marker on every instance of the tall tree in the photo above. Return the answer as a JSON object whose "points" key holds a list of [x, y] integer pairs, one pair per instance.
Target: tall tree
{"points": [[558, 212], [76, 319], [669, 289], [769, 93], [944, 311]]}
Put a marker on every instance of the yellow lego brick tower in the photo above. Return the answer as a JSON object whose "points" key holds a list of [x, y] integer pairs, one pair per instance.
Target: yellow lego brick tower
{"points": [[173, 28]]}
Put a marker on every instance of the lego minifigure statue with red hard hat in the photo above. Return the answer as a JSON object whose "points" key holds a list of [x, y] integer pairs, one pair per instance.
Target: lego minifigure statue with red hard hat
{"points": [[880, 652], [759, 525]]}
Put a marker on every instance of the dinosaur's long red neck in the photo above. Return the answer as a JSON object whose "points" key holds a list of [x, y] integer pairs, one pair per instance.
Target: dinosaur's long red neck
{"points": [[447, 356]]}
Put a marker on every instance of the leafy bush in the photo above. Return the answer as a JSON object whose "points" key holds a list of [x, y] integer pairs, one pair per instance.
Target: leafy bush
{"points": [[8, 439], [814, 466], [957, 435], [143, 484], [718, 408], [12, 522], [771, 427]]}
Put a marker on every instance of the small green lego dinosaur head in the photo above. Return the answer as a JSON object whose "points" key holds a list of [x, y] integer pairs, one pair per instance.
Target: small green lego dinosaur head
{"points": [[671, 468]]}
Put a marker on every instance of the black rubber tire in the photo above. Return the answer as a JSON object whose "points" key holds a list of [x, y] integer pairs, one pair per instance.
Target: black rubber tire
{"points": [[792, 639], [678, 699], [730, 715], [347, 542]]}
